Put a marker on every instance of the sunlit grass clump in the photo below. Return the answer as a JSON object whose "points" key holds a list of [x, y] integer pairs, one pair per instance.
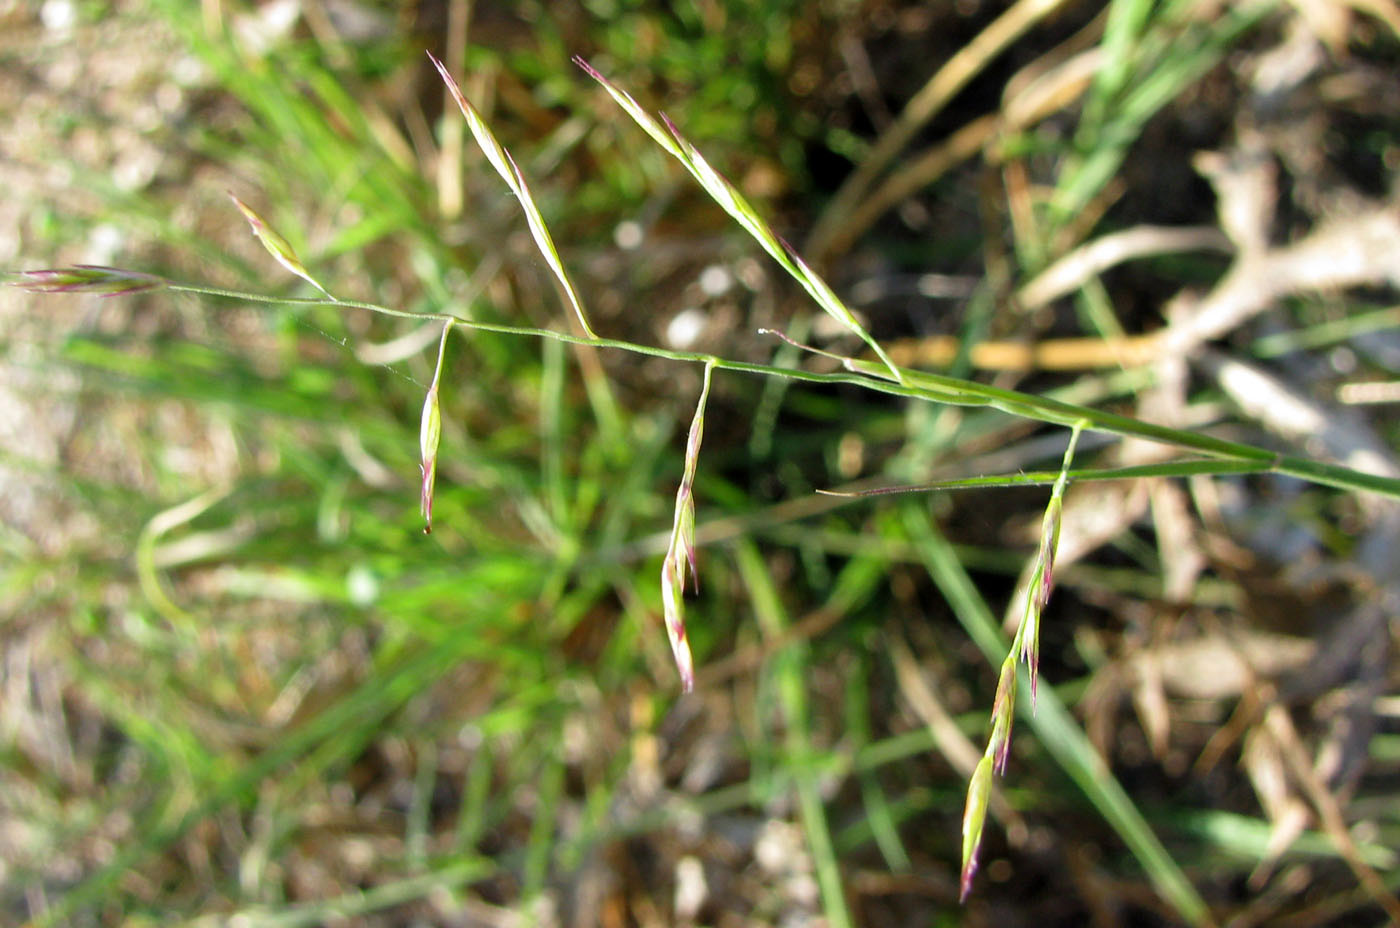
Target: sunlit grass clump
{"points": [[532, 619]]}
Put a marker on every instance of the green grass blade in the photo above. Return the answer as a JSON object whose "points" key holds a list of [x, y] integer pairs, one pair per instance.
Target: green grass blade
{"points": [[1111, 127], [879, 816], [363, 902], [359, 712], [798, 752]]}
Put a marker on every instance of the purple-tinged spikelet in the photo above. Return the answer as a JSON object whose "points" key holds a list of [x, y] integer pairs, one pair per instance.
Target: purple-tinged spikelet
{"points": [[680, 553], [979, 792], [1003, 715], [88, 278], [1049, 541], [674, 609]]}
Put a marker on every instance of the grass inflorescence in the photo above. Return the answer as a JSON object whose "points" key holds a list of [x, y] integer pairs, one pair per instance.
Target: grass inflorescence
{"points": [[312, 712]]}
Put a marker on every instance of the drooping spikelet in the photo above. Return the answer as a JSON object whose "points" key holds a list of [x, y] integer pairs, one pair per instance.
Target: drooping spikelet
{"points": [[1025, 646], [979, 793], [429, 434], [680, 553]]}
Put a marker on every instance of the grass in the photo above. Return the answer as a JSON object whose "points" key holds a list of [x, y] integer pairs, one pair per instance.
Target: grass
{"points": [[265, 694]]}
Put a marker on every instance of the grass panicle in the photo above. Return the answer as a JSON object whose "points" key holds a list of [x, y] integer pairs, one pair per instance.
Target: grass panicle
{"points": [[1041, 582], [803, 761], [1226, 457]]}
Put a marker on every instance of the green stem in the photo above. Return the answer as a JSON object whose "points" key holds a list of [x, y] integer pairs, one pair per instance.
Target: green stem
{"points": [[920, 385]]}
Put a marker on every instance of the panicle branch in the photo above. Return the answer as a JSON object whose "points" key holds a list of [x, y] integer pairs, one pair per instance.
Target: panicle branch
{"points": [[1025, 646]]}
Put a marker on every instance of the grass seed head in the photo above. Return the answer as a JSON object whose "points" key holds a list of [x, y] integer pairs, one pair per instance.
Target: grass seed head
{"points": [[505, 166], [1030, 648], [673, 605], [685, 538], [430, 433], [681, 551], [545, 243], [495, 152], [87, 278], [669, 136], [635, 110], [1049, 541], [277, 246], [1042, 581]]}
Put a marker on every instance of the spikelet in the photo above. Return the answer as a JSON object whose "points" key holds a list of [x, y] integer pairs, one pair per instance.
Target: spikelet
{"points": [[506, 167], [668, 136], [680, 553], [87, 278], [429, 434], [276, 245], [979, 793]]}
